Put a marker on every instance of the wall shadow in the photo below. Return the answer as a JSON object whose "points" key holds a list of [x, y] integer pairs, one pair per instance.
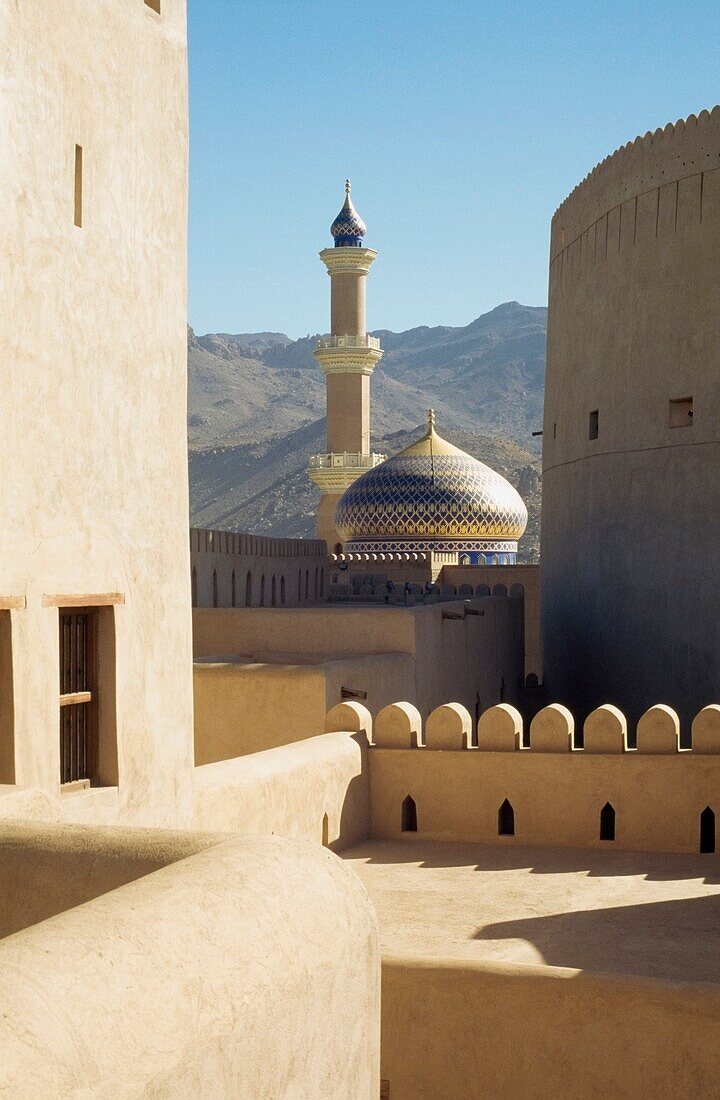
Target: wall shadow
{"points": [[675, 940]]}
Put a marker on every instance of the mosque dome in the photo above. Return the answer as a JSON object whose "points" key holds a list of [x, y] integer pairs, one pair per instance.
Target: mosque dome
{"points": [[433, 496], [348, 227]]}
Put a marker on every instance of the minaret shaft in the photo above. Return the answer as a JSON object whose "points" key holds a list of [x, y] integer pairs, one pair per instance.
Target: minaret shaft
{"points": [[348, 357], [348, 413], [348, 303]]}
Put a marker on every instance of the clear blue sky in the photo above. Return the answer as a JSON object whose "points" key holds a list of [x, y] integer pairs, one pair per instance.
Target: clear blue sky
{"points": [[462, 125]]}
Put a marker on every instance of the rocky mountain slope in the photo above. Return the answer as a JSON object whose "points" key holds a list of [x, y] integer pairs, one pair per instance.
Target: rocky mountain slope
{"points": [[256, 405]]}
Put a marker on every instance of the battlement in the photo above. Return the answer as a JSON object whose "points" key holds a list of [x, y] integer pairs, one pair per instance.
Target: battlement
{"points": [[230, 569], [440, 779], [685, 148], [206, 541], [552, 730]]}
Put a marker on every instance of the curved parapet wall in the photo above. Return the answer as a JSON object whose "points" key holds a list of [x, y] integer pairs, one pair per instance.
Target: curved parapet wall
{"points": [[249, 968], [631, 438]]}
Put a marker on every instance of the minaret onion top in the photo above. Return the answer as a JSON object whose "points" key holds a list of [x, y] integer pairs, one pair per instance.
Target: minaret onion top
{"points": [[348, 229]]}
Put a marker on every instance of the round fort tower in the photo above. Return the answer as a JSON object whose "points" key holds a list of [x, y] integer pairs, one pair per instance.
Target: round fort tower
{"points": [[631, 434], [348, 357]]}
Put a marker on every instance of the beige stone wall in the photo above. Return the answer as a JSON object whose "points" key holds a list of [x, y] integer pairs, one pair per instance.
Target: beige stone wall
{"points": [[314, 790], [459, 1029], [230, 569], [92, 344], [474, 656], [556, 790], [218, 1000], [243, 708], [631, 519], [527, 576]]}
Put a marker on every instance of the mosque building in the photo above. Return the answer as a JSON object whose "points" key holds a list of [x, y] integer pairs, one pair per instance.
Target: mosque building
{"points": [[431, 497]]}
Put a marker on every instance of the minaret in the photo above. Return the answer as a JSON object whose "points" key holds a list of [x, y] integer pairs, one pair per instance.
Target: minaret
{"points": [[348, 357]]}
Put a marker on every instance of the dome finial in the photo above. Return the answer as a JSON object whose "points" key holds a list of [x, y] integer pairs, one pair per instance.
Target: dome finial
{"points": [[431, 420], [348, 227]]}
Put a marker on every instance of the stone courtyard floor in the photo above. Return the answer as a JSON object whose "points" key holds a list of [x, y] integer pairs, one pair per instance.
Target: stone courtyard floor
{"points": [[651, 915]]}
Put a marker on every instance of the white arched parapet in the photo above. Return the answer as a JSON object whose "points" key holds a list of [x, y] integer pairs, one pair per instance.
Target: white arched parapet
{"points": [[706, 730], [449, 727], [398, 726], [658, 731], [500, 729], [551, 730], [605, 730], [349, 717]]}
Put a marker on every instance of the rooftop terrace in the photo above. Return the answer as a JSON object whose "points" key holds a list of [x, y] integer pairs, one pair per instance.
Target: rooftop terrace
{"points": [[655, 916]]}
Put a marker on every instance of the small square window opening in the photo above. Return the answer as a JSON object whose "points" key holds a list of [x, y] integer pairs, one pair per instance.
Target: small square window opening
{"points": [[680, 412]]}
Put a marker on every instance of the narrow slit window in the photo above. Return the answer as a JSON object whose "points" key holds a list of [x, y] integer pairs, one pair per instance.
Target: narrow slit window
{"points": [[707, 831], [506, 820], [273, 592], [409, 816], [282, 590], [325, 831], [248, 589], [262, 590], [607, 822], [233, 590], [78, 198], [215, 588], [681, 413], [594, 424]]}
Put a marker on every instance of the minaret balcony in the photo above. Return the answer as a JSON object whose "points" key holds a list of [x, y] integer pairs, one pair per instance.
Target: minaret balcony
{"points": [[349, 342], [348, 354], [335, 472]]}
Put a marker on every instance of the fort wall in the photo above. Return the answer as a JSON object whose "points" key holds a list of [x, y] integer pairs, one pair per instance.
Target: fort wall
{"points": [[245, 706], [657, 797], [231, 569], [316, 790], [245, 933], [631, 435], [524, 579], [469, 650], [619, 1036]]}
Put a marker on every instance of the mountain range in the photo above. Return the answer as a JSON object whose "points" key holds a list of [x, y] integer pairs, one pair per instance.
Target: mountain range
{"points": [[256, 405]]}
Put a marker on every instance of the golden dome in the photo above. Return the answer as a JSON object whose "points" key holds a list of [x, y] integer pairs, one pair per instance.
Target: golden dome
{"points": [[432, 495]]}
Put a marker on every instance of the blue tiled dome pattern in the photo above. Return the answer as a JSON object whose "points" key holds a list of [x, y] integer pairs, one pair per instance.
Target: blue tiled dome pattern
{"points": [[432, 497], [348, 227]]}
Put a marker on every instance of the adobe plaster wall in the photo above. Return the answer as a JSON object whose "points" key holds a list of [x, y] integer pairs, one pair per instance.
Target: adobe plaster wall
{"points": [[46, 869], [289, 790], [218, 1000], [631, 520], [227, 563], [460, 651], [556, 791], [491, 575], [243, 708], [93, 362], [462, 1030]]}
